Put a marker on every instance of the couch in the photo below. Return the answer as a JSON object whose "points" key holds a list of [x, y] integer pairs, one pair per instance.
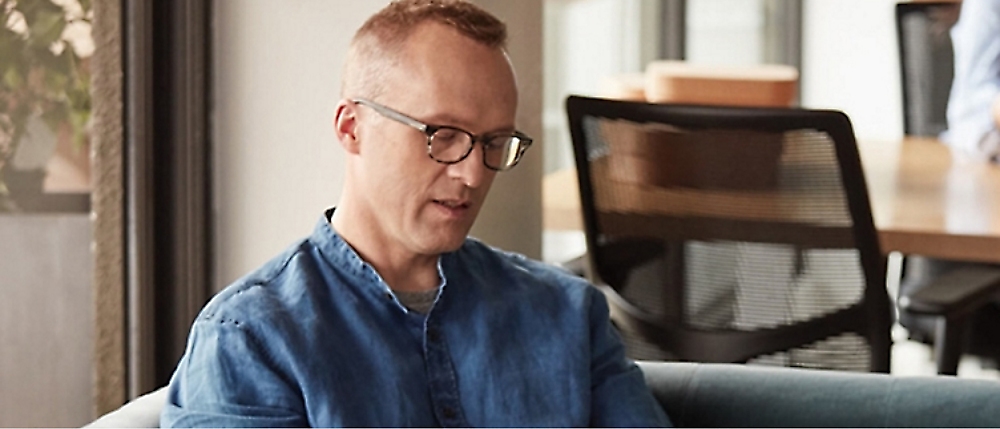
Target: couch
{"points": [[729, 395]]}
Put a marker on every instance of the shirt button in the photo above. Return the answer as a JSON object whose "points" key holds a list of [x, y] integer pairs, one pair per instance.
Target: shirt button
{"points": [[433, 335], [449, 413]]}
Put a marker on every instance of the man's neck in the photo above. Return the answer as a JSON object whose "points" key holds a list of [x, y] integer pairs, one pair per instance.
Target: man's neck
{"points": [[400, 269]]}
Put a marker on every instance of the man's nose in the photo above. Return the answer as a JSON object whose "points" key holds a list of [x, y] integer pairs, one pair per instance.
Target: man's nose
{"points": [[471, 170]]}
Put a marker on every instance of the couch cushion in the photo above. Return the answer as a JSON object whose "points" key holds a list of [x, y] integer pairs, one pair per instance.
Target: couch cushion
{"points": [[142, 412]]}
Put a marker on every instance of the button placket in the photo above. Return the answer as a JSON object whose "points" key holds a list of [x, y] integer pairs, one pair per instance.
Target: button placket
{"points": [[442, 379]]}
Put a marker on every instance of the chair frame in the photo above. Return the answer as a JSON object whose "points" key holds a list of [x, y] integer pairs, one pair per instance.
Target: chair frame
{"points": [[870, 318]]}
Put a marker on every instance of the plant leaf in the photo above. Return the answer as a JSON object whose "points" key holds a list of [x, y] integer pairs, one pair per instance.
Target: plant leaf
{"points": [[86, 5], [45, 20]]}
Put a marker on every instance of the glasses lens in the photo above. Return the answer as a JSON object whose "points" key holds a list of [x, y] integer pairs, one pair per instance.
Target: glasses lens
{"points": [[503, 152], [450, 145]]}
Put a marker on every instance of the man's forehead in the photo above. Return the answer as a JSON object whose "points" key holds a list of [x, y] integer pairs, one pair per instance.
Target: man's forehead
{"points": [[442, 52]]}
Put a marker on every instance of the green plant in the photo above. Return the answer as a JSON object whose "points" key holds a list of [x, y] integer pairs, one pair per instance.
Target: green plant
{"points": [[41, 73]]}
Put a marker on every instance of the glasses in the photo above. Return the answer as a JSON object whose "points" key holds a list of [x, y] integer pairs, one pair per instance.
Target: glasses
{"points": [[450, 145]]}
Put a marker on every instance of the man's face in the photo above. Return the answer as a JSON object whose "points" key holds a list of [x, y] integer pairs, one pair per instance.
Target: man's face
{"points": [[444, 78]]}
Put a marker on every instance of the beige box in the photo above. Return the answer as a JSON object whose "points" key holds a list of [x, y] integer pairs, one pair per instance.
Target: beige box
{"points": [[625, 86], [685, 83]]}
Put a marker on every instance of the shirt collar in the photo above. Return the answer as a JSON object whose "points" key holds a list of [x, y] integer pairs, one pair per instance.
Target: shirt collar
{"points": [[341, 255]]}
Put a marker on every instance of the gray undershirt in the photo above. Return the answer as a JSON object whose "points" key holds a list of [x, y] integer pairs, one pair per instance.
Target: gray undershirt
{"points": [[421, 302]]}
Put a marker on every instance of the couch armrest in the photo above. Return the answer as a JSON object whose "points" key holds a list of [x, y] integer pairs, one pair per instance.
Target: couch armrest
{"points": [[141, 412], [731, 395]]}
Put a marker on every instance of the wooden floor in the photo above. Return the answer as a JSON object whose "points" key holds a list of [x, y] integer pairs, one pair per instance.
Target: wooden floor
{"points": [[912, 358]]}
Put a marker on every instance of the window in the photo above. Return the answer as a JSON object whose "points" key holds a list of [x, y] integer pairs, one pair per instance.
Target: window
{"points": [[46, 232]]}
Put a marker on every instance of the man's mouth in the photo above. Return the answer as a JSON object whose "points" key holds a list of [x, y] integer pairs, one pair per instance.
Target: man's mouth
{"points": [[454, 209], [453, 204]]}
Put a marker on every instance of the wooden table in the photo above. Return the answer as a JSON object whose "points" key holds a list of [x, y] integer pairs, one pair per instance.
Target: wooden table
{"points": [[923, 201]]}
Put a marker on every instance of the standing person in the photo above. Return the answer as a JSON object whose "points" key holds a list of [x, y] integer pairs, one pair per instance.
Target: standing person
{"points": [[974, 102], [388, 314]]}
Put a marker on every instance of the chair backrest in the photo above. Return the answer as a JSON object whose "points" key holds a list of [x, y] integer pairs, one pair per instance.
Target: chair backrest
{"points": [[926, 64], [732, 234]]}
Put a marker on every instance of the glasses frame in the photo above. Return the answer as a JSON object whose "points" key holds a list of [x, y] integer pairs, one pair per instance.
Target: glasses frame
{"points": [[429, 130]]}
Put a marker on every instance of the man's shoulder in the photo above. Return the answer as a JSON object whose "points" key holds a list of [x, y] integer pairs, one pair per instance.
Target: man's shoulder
{"points": [[485, 260], [271, 290]]}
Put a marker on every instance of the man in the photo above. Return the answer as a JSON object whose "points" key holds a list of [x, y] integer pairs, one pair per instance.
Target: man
{"points": [[388, 315]]}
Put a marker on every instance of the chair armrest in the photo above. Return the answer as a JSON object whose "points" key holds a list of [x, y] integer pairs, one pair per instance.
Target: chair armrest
{"points": [[955, 293], [732, 395], [623, 255], [141, 412]]}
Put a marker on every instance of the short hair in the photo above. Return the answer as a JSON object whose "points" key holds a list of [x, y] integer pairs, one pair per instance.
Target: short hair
{"points": [[376, 44]]}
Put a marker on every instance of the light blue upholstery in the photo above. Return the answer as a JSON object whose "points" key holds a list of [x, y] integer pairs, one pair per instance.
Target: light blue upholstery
{"points": [[728, 395]]}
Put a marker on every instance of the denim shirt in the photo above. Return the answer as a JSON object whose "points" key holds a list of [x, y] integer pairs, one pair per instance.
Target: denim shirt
{"points": [[316, 338]]}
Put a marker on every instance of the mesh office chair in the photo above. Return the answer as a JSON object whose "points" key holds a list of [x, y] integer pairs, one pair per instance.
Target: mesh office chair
{"points": [[926, 61], [732, 234]]}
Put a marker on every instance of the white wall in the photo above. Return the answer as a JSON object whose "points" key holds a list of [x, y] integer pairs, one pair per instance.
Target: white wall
{"points": [[586, 41], [512, 217], [276, 80], [725, 32], [850, 62]]}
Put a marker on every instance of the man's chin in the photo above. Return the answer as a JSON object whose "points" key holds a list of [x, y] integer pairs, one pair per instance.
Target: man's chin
{"points": [[449, 242], [453, 244]]}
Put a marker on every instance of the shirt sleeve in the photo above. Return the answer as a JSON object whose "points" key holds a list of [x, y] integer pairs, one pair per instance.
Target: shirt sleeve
{"points": [[972, 131], [226, 379], [620, 397]]}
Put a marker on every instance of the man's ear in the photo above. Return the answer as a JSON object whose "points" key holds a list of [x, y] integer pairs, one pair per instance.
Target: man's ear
{"points": [[345, 125]]}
